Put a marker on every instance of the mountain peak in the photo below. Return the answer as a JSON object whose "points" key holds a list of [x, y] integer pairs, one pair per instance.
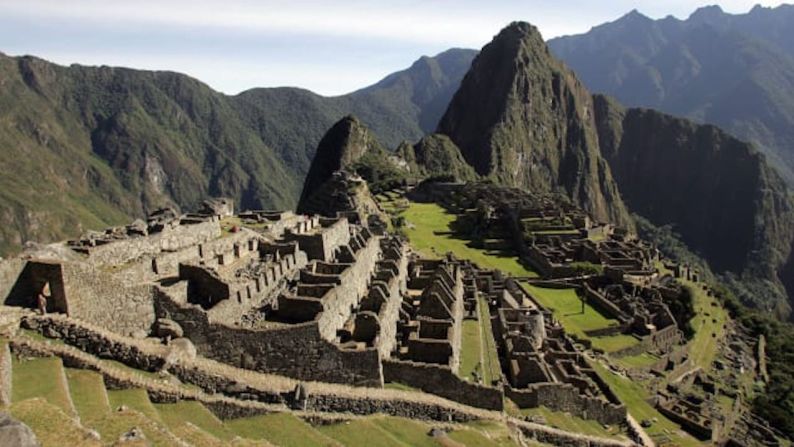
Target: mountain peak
{"points": [[521, 118], [634, 15], [342, 146], [707, 14], [520, 31]]}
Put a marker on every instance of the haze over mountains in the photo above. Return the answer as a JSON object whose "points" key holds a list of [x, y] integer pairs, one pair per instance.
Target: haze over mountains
{"points": [[735, 71]]}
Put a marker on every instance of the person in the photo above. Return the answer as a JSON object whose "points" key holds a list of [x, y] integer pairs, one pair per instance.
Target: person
{"points": [[41, 301]]}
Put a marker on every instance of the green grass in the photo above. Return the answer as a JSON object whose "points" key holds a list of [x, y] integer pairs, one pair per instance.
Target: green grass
{"points": [[178, 414], [709, 319], [401, 387], [41, 377], [88, 394], [567, 308], [567, 422], [283, 429], [408, 432], [136, 399], [428, 228], [470, 350], [634, 396], [491, 370], [53, 427], [637, 361], [360, 433]]}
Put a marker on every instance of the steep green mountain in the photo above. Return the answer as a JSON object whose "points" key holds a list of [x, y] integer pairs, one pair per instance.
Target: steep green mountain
{"points": [[87, 147], [405, 105], [523, 119], [735, 71], [716, 191], [84, 147]]}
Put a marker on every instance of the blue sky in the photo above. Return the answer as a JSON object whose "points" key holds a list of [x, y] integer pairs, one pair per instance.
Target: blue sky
{"points": [[328, 47]]}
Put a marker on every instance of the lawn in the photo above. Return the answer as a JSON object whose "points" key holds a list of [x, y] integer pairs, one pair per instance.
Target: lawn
{"points": [[178, 414], [634, 396], [567, 422], [428, 227], [88, 394], [44, 378], [283, 429], [360, 433], [708, 323], [637, 361], [42, 416], [491, 370], [409, 432], [470, 350], [136, 399], [567, 307]]}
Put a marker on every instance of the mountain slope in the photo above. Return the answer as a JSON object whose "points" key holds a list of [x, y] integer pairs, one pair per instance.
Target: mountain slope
{"points": [[93, 146], [718, 192], [522, 118], [735, 71], [403, 106], [87, 147]]}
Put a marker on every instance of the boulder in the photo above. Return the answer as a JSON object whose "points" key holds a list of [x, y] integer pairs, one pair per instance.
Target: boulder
{"points": [[165, 327], [13, 432]]}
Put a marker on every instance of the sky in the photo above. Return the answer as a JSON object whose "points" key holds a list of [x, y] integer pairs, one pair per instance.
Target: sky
{"points": [[328, 47]]}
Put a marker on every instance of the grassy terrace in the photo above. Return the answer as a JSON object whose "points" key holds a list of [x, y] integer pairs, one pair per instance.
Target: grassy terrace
{"points": [[635, 397], [565, 421], [428, 227], [478, 348], [708, 323], [567, 307]]}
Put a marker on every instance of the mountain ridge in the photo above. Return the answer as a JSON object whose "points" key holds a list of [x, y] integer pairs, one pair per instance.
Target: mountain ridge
{"points": [[732, 70]]}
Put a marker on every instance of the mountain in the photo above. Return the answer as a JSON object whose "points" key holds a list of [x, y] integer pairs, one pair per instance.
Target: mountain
{"points": [[340, 149], [716, 191], [734, 71], [405, 105], [88, 147], [347, 153], [436, 156], [523, 119]]}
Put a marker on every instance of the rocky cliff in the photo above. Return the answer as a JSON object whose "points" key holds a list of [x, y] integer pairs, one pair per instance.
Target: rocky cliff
{"points": [[523, 119], [718, 192], [334, 183]]}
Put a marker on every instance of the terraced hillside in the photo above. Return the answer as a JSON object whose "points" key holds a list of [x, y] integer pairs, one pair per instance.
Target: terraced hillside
{"points": [[79, 407]]}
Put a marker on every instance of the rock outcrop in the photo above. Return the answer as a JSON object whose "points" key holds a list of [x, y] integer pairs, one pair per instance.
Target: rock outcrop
{"points": [[523, 119], [341, 147], [333, 184], [436, 156]]}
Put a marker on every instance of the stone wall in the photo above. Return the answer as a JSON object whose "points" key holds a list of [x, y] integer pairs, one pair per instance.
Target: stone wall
{"points": [[296, 351], [338, 303], [14, 289], [441, 381], [324, 242], [5, 374], [97, 296], [567, 398], [169, 240]]}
